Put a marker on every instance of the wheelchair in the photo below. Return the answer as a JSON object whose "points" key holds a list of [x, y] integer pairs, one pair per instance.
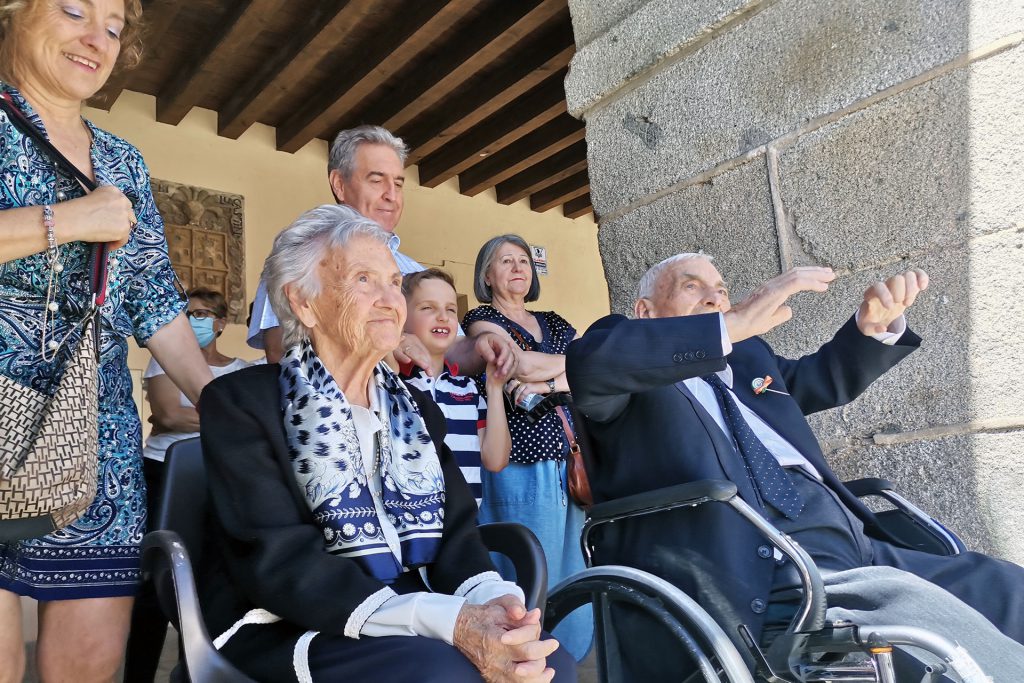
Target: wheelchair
{"points": [[170, 552], [810, 650]]}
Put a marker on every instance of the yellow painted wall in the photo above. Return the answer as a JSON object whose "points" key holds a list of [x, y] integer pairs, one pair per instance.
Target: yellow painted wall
{"points": [[439, 226]]}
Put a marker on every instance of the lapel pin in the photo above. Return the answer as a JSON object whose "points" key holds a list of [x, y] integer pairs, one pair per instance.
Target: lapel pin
{"points": [[761, 384]]}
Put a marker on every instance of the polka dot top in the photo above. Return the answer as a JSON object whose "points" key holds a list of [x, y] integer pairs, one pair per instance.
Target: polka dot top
{"points": [[544, 440]]}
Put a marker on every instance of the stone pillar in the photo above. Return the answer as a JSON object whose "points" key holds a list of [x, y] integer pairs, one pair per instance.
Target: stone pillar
{"points": [[867, 135]]}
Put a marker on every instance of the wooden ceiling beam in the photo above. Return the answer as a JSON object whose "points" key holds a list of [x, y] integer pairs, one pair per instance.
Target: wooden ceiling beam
{"points": [[546, 54], [501, 29], [552, 137], [193, 79], [564, 190], [581, 206], [325, 30], [524, 115], [415, 28], [159, 15], [558, 166]]}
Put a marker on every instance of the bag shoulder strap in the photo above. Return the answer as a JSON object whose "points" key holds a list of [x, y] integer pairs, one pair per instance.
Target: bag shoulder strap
{"points": [[98, 252]]}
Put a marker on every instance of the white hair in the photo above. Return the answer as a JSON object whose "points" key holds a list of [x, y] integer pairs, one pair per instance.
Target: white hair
{"points": [[645, 288], [299, 248]]}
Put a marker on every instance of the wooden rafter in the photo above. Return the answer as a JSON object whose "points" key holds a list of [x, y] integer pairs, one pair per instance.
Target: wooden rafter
{"points": [[193, 79], [570, 188], [159, 15], [485, 40], [581, 206], [552, 137], [526, 114], [534, 62], [558, 166], [475, 88], [412, 32], [318, 37]]}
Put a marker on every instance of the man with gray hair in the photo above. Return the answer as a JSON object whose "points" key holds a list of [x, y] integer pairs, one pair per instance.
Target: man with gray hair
{"points": [[366, 171], [687, 391]]}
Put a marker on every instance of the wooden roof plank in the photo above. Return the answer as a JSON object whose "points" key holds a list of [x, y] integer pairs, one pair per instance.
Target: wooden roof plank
{"points": [[553, 136], [581, 206], [557, 167], [570, 188], [526, 114], [490, 37], [319, 36], [548, 54], [414, 31], [158, 15], [192, 81]]}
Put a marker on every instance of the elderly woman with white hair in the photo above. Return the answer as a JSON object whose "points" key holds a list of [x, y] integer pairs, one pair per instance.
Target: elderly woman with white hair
{"points": [[347, 546]]}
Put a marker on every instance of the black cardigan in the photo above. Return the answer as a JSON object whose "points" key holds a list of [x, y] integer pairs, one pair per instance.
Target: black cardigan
{"points": [[265, 550]]}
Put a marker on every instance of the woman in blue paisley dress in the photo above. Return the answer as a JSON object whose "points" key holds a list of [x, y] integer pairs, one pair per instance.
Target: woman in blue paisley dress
{"points": [[54, 55]]}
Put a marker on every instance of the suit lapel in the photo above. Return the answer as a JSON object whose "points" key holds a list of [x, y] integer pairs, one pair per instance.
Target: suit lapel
{"points": [[728, 456], [769, 409]]}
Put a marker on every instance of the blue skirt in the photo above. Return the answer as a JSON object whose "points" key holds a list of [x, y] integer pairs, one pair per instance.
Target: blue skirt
{"points": [[535, 496]]}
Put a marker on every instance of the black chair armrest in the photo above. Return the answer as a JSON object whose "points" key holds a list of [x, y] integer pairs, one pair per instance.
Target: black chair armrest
{"points": [[680, 495], [166, 561], [522, 548]]}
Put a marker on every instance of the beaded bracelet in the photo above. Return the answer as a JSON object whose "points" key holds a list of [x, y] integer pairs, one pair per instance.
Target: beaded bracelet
{"points": [[53, 255], [51, 238]]}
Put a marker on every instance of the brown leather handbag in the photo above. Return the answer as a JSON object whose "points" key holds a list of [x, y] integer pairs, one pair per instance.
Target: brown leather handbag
{"points": [[575, 467]]}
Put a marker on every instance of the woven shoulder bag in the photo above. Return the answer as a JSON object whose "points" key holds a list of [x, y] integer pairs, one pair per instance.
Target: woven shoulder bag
{"points": [[49, 443]]}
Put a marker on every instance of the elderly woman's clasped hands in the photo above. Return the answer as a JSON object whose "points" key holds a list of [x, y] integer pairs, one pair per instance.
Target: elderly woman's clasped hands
{"points": [[502, 639]]}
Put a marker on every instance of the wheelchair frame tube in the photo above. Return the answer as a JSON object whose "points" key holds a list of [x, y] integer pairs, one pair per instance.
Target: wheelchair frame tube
{"points": [[952, 654], [811, 615]]}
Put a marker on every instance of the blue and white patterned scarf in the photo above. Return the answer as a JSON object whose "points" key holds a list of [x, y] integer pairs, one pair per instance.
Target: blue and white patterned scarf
{"points": [[324, 450]]}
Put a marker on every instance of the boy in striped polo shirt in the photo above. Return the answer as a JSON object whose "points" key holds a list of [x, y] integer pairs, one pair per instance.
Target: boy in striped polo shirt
{"points": [[477, 427]]}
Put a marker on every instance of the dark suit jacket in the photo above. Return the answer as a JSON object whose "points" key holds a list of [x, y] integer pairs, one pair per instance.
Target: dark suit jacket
{"points": [[264, 548], [651, 432]]}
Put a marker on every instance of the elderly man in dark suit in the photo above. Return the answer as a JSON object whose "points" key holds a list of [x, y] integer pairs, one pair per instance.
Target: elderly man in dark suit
{"points": [[669, 398]]}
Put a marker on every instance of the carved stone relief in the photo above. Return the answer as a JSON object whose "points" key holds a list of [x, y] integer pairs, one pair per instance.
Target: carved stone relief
{"points": [[206, 240]]}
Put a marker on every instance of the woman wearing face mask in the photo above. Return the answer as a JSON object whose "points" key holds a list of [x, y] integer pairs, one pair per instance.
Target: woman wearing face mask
{"points": [[174, 418]]}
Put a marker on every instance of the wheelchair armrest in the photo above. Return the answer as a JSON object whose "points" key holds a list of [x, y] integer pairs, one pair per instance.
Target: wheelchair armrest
{"points": [[810, 616], [869, 486], [911, 525], [165, 559], [680, 495], [522, 548]]}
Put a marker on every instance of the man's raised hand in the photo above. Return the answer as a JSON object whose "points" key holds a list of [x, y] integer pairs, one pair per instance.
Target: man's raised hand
{"points": [[886, 301], [766, 307]]}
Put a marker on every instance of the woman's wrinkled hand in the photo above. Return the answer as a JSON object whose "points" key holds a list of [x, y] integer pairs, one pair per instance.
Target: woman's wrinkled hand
{"points": [[502, 639], [411, 350], [103, 215]]}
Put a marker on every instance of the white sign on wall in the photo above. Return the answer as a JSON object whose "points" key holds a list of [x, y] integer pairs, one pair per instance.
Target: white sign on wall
{"points": [[540, 259]]}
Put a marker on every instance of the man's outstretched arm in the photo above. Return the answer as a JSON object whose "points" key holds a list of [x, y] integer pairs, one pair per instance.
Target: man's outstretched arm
{"points": [[617, 357], [868, 345]]}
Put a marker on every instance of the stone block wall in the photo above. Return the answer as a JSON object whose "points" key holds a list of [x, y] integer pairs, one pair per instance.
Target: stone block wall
{"points": [[867, 135]]}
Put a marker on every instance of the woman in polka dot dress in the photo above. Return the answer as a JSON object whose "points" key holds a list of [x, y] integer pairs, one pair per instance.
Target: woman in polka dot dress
{"points": [[532, 490]]}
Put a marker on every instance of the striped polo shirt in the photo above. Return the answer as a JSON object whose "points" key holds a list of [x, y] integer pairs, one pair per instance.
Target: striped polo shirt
{"points": [[465, 412]]}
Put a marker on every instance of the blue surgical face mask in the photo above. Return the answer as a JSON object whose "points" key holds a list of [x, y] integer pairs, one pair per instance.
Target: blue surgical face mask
{"points": [[203, 329]]}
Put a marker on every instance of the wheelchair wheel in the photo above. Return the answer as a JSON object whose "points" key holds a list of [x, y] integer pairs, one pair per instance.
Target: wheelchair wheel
{"points": [[699, 643]]}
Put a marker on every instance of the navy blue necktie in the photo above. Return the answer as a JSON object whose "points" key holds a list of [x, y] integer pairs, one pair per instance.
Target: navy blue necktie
{"points": [[768, 476]]}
